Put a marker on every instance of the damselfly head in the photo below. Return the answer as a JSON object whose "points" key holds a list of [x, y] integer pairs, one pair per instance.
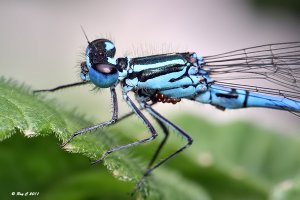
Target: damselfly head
{"points": [[100, 66]]}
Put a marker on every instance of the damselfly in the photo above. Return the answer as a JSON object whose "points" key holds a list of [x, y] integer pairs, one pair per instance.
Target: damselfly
{"points": [[261, 76]]}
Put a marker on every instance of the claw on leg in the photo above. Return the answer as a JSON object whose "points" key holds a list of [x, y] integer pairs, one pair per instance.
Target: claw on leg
{"points": [[101, 159]]}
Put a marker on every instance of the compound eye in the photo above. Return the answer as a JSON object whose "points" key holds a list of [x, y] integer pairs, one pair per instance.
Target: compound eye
{"points": [[103, 75], [105, 68], [103, 47]]}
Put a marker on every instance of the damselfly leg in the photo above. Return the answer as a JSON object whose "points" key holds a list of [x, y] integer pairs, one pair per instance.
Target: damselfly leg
{"points": [[164, 130], [165, 121], [144, 119], [113, 119], [162, 143], [62, 87]]}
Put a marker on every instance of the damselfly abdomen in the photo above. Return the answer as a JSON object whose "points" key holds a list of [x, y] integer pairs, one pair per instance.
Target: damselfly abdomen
{"points": [[262, 76]]}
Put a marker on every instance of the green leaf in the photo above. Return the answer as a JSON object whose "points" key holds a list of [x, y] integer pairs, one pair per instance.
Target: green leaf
{"points": [[231, 161], [238, 160], [23, 113], [286, 190]]}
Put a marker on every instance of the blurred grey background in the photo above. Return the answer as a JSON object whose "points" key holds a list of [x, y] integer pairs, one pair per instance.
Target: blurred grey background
{"points": [[42, 43]]}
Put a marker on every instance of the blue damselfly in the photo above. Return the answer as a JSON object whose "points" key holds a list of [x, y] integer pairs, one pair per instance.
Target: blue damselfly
{"points": [[261, 76]]}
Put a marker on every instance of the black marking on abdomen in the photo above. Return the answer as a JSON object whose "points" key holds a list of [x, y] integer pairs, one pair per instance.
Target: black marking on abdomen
{"points": [[210, 96], [246, 99], [220, 107], [232, 95]]}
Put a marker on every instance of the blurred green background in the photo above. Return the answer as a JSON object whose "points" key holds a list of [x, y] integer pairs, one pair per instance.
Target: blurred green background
{"points": [[244, 154]]}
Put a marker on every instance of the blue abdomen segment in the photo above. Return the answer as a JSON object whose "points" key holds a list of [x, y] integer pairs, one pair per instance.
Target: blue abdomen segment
{"points": [[235, 98], [261, 100]]}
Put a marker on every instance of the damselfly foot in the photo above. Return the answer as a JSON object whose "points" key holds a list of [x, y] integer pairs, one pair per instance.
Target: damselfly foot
{"points": [[68, 141], [100, 159], [138, 186]]}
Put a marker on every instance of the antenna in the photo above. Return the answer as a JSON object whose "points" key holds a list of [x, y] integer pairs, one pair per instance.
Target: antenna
{"points": [[85, 34]]}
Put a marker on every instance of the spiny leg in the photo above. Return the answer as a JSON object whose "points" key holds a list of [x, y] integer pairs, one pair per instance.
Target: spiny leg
{"points": [[129, 114], [114, 118], [163, 127], [162, 143], [177, 129], [61, 87], [144, 119]]}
